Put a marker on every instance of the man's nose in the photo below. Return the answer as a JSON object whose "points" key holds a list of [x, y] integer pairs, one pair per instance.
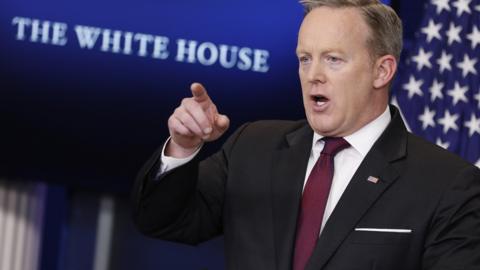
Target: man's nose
{"points": [[316, 72]]}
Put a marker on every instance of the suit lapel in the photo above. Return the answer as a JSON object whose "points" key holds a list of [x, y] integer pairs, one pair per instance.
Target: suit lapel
{"points": [[361, 194], [288, 174]]}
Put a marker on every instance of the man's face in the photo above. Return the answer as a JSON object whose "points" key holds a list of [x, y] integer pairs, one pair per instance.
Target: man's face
{"points": [[336, 72]]}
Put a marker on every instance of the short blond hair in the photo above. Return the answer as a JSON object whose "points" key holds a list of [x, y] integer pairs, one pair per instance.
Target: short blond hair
{"points": [[385, 25]]}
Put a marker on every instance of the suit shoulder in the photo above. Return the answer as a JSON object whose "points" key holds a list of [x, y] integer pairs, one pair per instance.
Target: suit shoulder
{"points": [[428, 153], [276, 126], [273, 128], [267, 133]]}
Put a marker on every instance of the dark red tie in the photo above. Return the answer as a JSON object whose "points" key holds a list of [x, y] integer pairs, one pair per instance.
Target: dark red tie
{"points": [[314, 200]]}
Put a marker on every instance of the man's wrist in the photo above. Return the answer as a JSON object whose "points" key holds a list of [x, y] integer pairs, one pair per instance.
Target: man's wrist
{"points": [[174, 150], [168, 163]]}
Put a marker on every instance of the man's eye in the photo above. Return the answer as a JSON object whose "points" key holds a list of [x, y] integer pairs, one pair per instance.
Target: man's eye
{"points": [[304, 59], [333, 59]]}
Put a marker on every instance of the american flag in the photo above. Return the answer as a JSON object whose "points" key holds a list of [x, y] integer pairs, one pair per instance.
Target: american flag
{"points": [[438, 85]]}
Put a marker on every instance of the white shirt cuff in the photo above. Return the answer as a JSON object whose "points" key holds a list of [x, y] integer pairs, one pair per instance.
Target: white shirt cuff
{"points": [[169, 163]]}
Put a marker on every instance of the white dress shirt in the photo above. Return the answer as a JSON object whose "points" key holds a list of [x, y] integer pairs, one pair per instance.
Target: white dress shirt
{"points": [[346, 162]]}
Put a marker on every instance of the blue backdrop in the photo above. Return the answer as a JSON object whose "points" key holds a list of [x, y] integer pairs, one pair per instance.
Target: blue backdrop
{"points": [[86, 88]]}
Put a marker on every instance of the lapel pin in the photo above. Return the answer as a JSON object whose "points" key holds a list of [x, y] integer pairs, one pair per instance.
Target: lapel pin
{"points": [[373, 179]]}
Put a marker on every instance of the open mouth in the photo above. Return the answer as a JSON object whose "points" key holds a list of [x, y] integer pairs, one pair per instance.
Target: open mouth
{"points": [[319, 99]]}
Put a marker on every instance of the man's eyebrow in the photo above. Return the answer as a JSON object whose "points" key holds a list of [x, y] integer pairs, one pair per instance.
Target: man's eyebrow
{"points": [[323, 52], [299, 50]]}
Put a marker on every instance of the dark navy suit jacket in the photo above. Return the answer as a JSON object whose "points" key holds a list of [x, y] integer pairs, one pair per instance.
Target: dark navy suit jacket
{"points": [[250, 191]]}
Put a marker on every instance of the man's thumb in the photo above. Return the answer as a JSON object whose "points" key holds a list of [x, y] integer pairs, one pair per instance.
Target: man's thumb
{"points": [[222, 122]]}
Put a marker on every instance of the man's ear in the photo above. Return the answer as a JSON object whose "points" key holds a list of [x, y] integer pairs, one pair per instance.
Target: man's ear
{"points": [[385, 68]]}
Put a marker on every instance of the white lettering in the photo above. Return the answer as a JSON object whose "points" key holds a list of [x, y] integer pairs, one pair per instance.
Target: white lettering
{"points": [[244, 55], [260, 61], [116, 41], [58, 36], [40, 31], [160, 45], [224, 62], [108, 40], [182, 50], [207, 54], [87, 36], [21, 23], [144, 39], [127, 48], [213, 54]]}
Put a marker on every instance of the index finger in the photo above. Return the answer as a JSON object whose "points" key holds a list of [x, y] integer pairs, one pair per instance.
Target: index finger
{"points": [[199, 92]]}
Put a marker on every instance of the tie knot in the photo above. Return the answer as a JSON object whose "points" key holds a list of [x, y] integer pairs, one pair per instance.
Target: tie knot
{"points": [[334, 145]]}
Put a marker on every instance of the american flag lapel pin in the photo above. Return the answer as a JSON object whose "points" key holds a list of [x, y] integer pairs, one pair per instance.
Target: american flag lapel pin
{"points": [[373, 179]]}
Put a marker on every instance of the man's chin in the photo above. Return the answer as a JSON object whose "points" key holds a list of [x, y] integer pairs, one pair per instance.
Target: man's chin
{"points": [[319, 127]]}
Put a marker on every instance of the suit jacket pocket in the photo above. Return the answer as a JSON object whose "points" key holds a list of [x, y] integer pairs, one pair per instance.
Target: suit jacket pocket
{"points": [[379, 238]]}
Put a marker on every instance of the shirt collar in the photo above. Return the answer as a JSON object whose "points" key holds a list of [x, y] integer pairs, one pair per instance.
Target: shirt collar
{"points": [[363, 139]]}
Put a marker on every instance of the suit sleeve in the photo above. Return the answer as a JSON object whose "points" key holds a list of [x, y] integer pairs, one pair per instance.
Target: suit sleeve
{"points": [[186, 204], [454, 239]]}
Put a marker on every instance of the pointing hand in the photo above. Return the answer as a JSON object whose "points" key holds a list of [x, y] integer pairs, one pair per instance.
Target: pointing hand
{"points": [[196, 120]]}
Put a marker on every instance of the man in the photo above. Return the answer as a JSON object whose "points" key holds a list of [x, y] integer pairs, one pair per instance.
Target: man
{"points": [[390, 200]]}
